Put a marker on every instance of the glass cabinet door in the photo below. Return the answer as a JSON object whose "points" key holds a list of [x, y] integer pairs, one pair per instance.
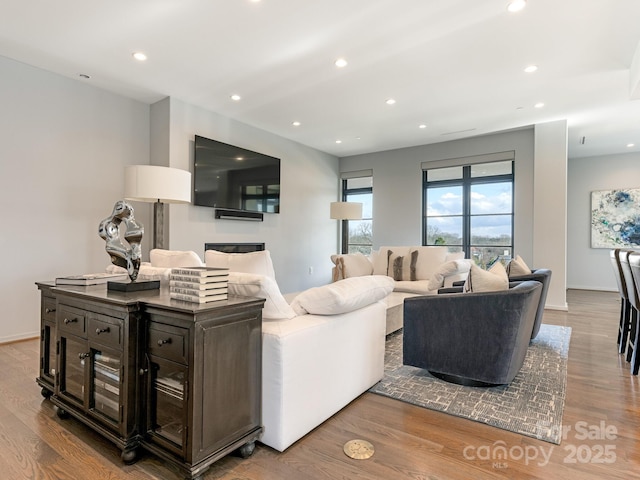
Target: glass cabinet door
{"points": [[48, 349], [106, 384], [74, 356], [167, 412]]}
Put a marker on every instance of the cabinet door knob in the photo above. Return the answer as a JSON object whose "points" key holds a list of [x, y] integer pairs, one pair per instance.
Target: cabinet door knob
{"points": [[164, 342], [82, 356], [49, 310], [143, 371], [102, 330], [67, 321]]}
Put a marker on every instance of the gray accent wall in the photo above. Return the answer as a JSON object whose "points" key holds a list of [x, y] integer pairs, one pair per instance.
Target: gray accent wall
{"points": [[589, 268], [63, 148], [540, 152], [301, 238]]}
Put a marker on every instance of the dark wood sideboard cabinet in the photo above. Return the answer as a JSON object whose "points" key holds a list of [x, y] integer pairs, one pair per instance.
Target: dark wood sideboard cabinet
{"points": [[178, 379]]}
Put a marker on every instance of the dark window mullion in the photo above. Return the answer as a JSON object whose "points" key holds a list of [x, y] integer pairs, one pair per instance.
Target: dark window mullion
{"points": [[466, 211]]}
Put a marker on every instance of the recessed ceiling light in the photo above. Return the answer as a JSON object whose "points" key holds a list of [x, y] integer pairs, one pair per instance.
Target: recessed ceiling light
{"points": [[141, 57], [539, 105], [338, 141], [390, 101], [236, 98], [516, 5], [296, 124], [422, 126], [629, 145], [530, 68], [341, 63]]}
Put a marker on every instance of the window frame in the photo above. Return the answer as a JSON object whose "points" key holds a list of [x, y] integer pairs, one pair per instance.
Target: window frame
{"points": [[467, 182], [346, 193]]}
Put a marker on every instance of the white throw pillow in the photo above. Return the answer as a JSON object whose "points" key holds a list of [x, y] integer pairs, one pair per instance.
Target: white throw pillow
{"points": [[343, 296], [491, 280], [261, 286], [174, 258], [454, 256], [517, 266], [258, 263], [448, 269], [429, 260], [354, 265]]}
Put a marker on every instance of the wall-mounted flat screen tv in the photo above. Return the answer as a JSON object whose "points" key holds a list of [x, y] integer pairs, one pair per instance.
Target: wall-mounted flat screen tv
{"points": [[235, 178]]}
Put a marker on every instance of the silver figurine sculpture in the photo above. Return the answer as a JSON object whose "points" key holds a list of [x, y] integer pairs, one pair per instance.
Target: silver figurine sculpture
{"points": [[125, 253]]}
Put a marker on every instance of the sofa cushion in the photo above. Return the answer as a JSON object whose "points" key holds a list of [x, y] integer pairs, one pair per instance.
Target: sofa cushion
{"points": [[261, 286], [381, 258], [258, 263], [517, 266], [448, 269], [491, 280], [402, 267], [429, 260], [454, 256], [174, 258], [353, 265], [419, 287], [146, 272], [343, 296]]}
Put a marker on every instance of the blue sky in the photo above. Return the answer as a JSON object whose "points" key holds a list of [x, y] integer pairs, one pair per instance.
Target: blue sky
{"points": [[486, 199]]}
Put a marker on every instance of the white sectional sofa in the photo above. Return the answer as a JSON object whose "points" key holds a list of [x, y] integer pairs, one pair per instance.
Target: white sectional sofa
{"points": [[416, 270], [316, 364], [320, 351]]}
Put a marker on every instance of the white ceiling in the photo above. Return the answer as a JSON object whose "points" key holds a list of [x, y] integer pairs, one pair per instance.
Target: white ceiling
{"points": [[454, 65]]}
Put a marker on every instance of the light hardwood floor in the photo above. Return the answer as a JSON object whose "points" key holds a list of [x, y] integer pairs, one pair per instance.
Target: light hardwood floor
{"points": [[602, 418]]}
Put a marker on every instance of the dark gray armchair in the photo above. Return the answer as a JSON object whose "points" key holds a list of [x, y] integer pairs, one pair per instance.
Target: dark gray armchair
{"points": [[477, 339], [542, 275]]}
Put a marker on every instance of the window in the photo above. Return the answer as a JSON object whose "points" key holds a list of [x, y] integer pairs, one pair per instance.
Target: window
{"points": [[359, 189], [469, 208]]}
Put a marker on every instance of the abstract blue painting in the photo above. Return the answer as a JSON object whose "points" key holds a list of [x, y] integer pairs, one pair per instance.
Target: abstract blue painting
{"points": [[615, 218]]}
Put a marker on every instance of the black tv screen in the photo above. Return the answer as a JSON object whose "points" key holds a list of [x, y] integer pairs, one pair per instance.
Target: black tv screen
{"points": [[235, 178]]}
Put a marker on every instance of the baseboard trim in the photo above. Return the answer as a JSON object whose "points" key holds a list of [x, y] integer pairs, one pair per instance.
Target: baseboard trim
{"points": [[595, 289], [561, 308], [19, 338]]}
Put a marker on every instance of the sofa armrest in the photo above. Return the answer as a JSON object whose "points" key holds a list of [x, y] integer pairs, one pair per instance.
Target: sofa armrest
{"points": [[460, 287]]}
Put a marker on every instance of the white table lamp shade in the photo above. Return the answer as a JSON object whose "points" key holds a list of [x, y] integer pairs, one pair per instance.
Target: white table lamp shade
{"points": [[150, 183], [346, 210]]}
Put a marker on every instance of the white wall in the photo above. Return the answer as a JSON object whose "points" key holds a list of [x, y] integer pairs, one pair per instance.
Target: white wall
{"points": [[63, 148], [550, 208], [589, 268], [301, 238]]}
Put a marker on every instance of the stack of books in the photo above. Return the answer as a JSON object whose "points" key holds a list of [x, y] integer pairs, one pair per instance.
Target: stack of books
{"points": [[199, 284]]}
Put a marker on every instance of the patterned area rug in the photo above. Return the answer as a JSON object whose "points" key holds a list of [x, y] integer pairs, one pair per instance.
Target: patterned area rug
{"points": [[531, 405]]}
